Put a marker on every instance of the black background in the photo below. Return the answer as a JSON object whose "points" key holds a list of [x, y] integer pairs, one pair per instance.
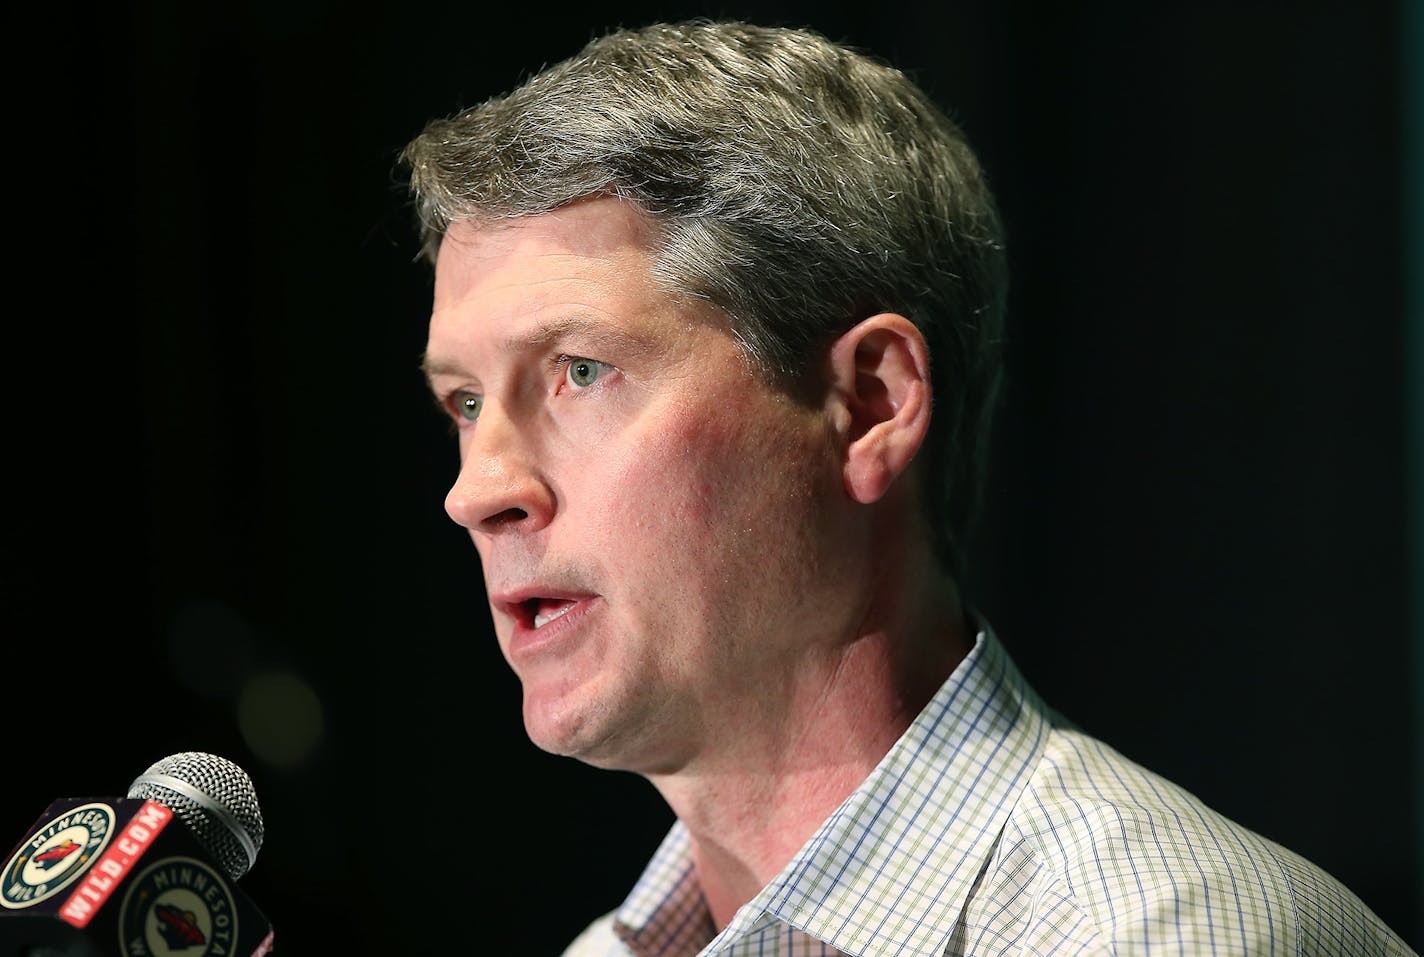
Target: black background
{"points": [[223, 466]]}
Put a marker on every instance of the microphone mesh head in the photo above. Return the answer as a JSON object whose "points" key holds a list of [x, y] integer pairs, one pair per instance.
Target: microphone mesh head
{"points": [[223, 813]]}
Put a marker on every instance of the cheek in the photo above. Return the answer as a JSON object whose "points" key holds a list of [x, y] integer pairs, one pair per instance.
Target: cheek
{"points": [[698, 469], [712, 487]]}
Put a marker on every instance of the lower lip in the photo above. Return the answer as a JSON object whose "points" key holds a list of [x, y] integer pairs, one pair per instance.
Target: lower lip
{"points": [[526, 641]]}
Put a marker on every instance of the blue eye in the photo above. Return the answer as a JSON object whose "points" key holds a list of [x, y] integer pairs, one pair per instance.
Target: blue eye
{"points": [[583, 373], [467, 405]]}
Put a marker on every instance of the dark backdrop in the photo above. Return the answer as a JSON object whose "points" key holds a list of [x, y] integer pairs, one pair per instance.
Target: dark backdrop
{"points": [[225, 532]]}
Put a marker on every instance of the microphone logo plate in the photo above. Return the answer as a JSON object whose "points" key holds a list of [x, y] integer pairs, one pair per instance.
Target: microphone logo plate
{"points": [[55, 854], [177, 907]]}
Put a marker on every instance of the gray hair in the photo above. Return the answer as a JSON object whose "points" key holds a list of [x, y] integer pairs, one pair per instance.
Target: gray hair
{"points": [[798, 185]]}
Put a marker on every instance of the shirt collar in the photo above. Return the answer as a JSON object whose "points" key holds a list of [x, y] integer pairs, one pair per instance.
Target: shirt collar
{"points": [[892, 868]]}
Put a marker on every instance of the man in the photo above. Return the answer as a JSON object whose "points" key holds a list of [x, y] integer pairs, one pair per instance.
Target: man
{"points": [[716, 318]]}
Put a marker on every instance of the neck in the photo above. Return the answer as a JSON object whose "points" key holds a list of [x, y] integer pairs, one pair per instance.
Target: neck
{"points": [[819, 733]]}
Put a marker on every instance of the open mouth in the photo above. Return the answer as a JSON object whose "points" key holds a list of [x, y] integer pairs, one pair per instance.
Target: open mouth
{"points": [[538, 612]]}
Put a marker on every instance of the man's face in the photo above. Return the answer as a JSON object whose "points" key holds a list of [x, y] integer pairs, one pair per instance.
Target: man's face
{"points": [[657, 527]]}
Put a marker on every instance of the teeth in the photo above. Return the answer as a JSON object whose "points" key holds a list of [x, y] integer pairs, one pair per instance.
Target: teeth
{"points": [[543, 618]]}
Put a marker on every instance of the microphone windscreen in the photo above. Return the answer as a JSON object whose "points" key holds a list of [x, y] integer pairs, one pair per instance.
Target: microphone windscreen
{"points": [[216, 800]]}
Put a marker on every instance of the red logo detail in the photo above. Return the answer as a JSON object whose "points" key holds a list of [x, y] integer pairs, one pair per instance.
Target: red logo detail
{"points": [[178, 927], [59, 852]]}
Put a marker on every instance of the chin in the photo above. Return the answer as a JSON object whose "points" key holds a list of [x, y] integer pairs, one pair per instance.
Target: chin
{"points": [[559, 726], [597, 753], [587, 736]]}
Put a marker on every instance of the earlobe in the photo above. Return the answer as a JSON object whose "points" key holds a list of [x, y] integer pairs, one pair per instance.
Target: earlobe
{"points": [[881, 386]]}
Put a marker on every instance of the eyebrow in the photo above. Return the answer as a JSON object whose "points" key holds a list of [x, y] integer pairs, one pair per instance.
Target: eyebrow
{"points": [[600, 335]]}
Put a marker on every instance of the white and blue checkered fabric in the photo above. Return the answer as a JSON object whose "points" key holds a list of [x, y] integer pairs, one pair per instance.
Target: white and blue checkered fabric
{"points": [[994, 827]]}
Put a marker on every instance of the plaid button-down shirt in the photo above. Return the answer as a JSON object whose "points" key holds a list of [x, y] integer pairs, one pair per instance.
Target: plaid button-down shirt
{"points": [[993, 826]]}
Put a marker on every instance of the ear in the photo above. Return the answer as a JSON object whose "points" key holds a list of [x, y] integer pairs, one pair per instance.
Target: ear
{"points": [[880, 393]]}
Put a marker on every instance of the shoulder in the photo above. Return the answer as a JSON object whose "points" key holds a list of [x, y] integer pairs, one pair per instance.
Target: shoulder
{"points": [[1133, 860], [597, 940]]}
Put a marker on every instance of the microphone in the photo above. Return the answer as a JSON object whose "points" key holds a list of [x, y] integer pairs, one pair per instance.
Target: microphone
{"points": [[151, 874]]}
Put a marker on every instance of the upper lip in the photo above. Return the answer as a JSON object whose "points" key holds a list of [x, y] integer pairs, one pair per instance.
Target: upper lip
{"points": [[517, 602]]}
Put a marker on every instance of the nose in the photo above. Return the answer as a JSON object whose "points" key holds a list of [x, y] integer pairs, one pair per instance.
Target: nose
{"points": [[500, 487]]}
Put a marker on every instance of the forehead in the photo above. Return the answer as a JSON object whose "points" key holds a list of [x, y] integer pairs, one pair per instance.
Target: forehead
{"points": [[590, 243], [578, 278]]}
